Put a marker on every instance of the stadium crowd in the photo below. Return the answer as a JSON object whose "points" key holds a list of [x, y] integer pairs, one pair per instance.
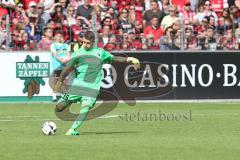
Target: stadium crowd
{"points": [[122, 24]]}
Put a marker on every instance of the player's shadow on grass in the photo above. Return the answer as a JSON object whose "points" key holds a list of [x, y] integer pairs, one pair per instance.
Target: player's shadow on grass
{"points": [[103, 133]]}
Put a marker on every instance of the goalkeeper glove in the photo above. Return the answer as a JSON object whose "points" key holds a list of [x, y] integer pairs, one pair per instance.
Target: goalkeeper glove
{"points": [[134, 61], [57, 86]]}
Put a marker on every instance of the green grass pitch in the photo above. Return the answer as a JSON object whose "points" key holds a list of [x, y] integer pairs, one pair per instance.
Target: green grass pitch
{"points": [[199, 131]]}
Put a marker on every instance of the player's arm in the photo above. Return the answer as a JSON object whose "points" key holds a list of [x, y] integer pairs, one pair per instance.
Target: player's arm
{"points": [[107, 58], [66, 70], [131, 60]]}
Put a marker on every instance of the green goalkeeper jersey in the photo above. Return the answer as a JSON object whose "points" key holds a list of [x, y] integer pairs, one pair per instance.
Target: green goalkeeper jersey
{"points": [[89, 69]]}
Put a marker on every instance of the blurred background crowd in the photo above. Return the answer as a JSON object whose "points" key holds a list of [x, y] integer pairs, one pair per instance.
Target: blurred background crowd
{"points": [[121, 24]]}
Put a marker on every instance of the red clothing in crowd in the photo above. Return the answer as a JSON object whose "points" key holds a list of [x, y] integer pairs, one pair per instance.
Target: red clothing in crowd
{"points": [[26, 2], [3, 12], [180, 3], [111, 47], [218, 5], [136, 45], [188, 14], [157, 33], [123, 4], [76, 29], [44, 44], [139, 11]]}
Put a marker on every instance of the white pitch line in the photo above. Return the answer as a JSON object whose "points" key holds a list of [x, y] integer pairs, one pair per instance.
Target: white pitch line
{"points": [[47, 119], [110, 116], [19, 116], [24, 120]]}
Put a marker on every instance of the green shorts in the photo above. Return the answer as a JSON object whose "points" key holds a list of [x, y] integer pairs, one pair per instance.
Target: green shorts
{"points": [[84, 100]]}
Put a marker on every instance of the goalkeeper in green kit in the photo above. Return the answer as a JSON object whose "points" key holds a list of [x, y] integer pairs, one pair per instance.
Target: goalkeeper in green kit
{"points": [[88, 62]]}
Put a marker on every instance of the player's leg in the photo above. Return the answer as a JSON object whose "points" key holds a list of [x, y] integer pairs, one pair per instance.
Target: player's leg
{"points": [[63, 103], [86, 104]]}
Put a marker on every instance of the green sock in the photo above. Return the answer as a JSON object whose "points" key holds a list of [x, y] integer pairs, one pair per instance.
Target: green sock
{"points": [[81, 118]]}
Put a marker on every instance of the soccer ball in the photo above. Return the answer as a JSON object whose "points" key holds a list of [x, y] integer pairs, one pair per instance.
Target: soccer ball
{"points": [[49, 128]]}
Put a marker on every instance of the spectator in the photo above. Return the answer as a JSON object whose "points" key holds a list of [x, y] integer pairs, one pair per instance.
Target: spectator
{"points": [[199, 12], [50, 24], [97, 12], [137, 44], [77, 28], [21, 41], [31, 30], [153, 11], [169, 19], [187, 12], [135, 19], [32, 11], [191, 40], [154, 30], [167, 40], [165, 6], [104, 6], [3, 33], [176, 41], [148, 4], [48, 5], [85, 10], [44, 16], [237, 3], [60, 27], [229, 42], [58, 15], [114, 20], [151, 44], [188, 24], [176, 25], [125, 45], [207, 41], [78, 43], [203, 25], [60, 56], [63, 3], [227, 18], [105, 34], [221, 27], [211, 22], [47, 39], [234, 12], [107, 21], [40, 21], [70, 16], [207, 12], [237, 32], [76, 3], [124, 25], [112, 44], [20, 14]]}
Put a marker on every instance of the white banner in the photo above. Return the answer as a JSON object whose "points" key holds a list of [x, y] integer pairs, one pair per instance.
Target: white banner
{"points": [[25, 74]]}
